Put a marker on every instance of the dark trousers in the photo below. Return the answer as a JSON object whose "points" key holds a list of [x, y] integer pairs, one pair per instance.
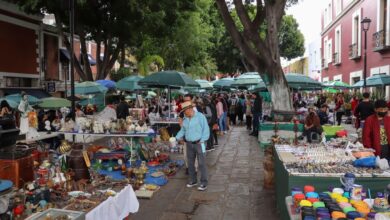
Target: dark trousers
{"points": [[307, 133], [339, 115], [215, 135], [385, 152], [233, 118], [248, 122], [256, 123], [210, 141], [240, 117]]}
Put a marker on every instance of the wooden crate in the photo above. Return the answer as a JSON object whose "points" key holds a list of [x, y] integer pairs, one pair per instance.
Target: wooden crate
{"points": [[19, 171]]}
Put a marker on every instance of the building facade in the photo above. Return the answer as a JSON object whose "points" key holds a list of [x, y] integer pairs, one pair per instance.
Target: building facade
{"points": [[20, 40], [34, 57], [298, 65], [343, 39]]}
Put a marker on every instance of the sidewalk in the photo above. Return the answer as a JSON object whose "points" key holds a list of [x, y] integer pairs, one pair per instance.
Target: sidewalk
{"points": [[234, 191]]}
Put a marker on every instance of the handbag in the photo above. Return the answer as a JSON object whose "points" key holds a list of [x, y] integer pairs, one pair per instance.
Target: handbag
{"points": [[215, 127]]}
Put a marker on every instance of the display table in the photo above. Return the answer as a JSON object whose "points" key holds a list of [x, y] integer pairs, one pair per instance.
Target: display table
{"points": [[285, 180], [285, 130], [117, 207], [43, 135], [173, 126]]}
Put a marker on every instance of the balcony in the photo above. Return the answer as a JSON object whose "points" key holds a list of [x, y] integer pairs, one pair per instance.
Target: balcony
{"points": [[379, 41], [336, 59], [324, 64], [354, 52]]}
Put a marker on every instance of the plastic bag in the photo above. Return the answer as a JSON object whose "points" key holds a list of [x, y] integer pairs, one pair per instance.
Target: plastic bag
{"points": [[383, 164], [365, 162]]}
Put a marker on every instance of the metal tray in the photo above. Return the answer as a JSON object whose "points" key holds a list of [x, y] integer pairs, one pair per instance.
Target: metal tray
{"points": [[55, 213]]}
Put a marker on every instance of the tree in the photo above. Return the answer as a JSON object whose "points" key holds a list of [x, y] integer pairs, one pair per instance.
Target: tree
{"points": [[291, 40], [261, 50], [115, 24]]}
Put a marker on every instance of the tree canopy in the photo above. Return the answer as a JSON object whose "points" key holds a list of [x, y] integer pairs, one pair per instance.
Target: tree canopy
{"points": [[185, 35], [258, 38]]}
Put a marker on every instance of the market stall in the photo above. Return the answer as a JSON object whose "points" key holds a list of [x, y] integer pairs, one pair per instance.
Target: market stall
{"points": [[83, 179], [322, 166]]}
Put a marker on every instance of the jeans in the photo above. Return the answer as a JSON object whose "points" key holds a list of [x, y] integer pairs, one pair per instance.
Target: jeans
{"points": [[221, 123], [225, 121], [256, 122], [194, 151]]}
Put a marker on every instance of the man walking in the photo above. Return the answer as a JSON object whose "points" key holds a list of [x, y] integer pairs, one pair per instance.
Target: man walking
{"points": [[195, 131], [256, 111]]}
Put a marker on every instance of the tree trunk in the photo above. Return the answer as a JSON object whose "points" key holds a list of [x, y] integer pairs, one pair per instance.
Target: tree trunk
{"points": [[280, 93], [123, 56], [84, 56], [262, 54]]}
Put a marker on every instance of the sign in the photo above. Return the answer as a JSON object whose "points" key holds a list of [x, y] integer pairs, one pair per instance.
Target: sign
{"points": [[51, 87]]}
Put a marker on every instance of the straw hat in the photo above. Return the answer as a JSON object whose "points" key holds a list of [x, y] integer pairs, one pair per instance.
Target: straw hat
{"points": [[186, 105]]}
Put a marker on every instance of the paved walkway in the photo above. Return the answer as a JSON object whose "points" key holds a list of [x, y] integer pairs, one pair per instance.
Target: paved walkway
{"points": [[234, 191]]}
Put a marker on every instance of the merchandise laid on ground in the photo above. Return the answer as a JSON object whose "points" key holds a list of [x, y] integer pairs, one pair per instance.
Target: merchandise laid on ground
{"points": [[343, 173], [352, 201], [84, 180]]}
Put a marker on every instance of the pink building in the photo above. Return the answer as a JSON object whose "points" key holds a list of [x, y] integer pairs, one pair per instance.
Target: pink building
{"points": [[343, 39]]}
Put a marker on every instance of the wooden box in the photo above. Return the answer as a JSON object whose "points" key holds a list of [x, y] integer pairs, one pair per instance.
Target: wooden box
{"points": [[19, 171]]}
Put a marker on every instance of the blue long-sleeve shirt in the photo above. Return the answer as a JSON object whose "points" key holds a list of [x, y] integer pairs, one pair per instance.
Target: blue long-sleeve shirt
{"points": [[194, 128]]}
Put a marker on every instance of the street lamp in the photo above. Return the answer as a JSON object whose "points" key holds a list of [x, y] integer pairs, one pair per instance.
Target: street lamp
{"points": [[365, 26]]}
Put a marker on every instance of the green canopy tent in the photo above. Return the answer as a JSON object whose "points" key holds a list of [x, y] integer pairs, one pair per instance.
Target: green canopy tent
{"points": [[129, 83], [88, 88], [337, 85], [246, 80], [170, 80], [204, 84], [301, 82], [54, 103], [374, 81], [32, 100], [11, 103], [223, 84]]}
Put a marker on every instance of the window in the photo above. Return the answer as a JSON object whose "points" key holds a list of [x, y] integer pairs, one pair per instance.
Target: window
{"points": [[326, 17], [21, 82], [338, 7], [330, 12], [329, 52], [325, 53], [381, 37], [356, 35], [337, 46]]}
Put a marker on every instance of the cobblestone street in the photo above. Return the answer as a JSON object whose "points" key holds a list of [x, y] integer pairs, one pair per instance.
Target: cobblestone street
{"points": [[234, 191]]}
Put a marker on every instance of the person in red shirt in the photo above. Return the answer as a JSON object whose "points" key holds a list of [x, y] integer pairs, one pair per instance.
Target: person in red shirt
{"points": [[339, 108], [376, 130], [354, 103]]}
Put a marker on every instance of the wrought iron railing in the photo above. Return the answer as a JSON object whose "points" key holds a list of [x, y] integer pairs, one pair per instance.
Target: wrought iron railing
{"points": [[354, 51], [336, 58], [379, 40], [324, 64]]}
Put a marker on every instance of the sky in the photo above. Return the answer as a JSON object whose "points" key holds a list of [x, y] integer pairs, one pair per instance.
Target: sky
{"points": [[308, 15]]}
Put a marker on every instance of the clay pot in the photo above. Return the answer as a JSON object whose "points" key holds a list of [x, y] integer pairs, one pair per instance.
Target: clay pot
{"points": [[77, 164]]}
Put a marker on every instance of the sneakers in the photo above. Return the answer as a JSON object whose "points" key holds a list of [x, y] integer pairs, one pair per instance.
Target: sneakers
{"points": [[202, 188], [210, 149], [190, 185]]}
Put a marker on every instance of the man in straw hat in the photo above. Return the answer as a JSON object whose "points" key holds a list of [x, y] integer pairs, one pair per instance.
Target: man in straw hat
{"points": [[196, 132]]}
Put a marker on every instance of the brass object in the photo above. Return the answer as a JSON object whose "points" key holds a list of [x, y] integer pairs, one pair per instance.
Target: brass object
{"points": [[64, 147], [140, 176]]}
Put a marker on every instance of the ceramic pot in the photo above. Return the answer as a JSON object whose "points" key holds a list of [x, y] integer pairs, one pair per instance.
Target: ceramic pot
{"points": [[77, 164]]}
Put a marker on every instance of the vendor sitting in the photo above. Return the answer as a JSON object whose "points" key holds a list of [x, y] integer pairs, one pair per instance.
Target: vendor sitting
{"points": [[323, 114], [312, 125], [376, 130]]}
